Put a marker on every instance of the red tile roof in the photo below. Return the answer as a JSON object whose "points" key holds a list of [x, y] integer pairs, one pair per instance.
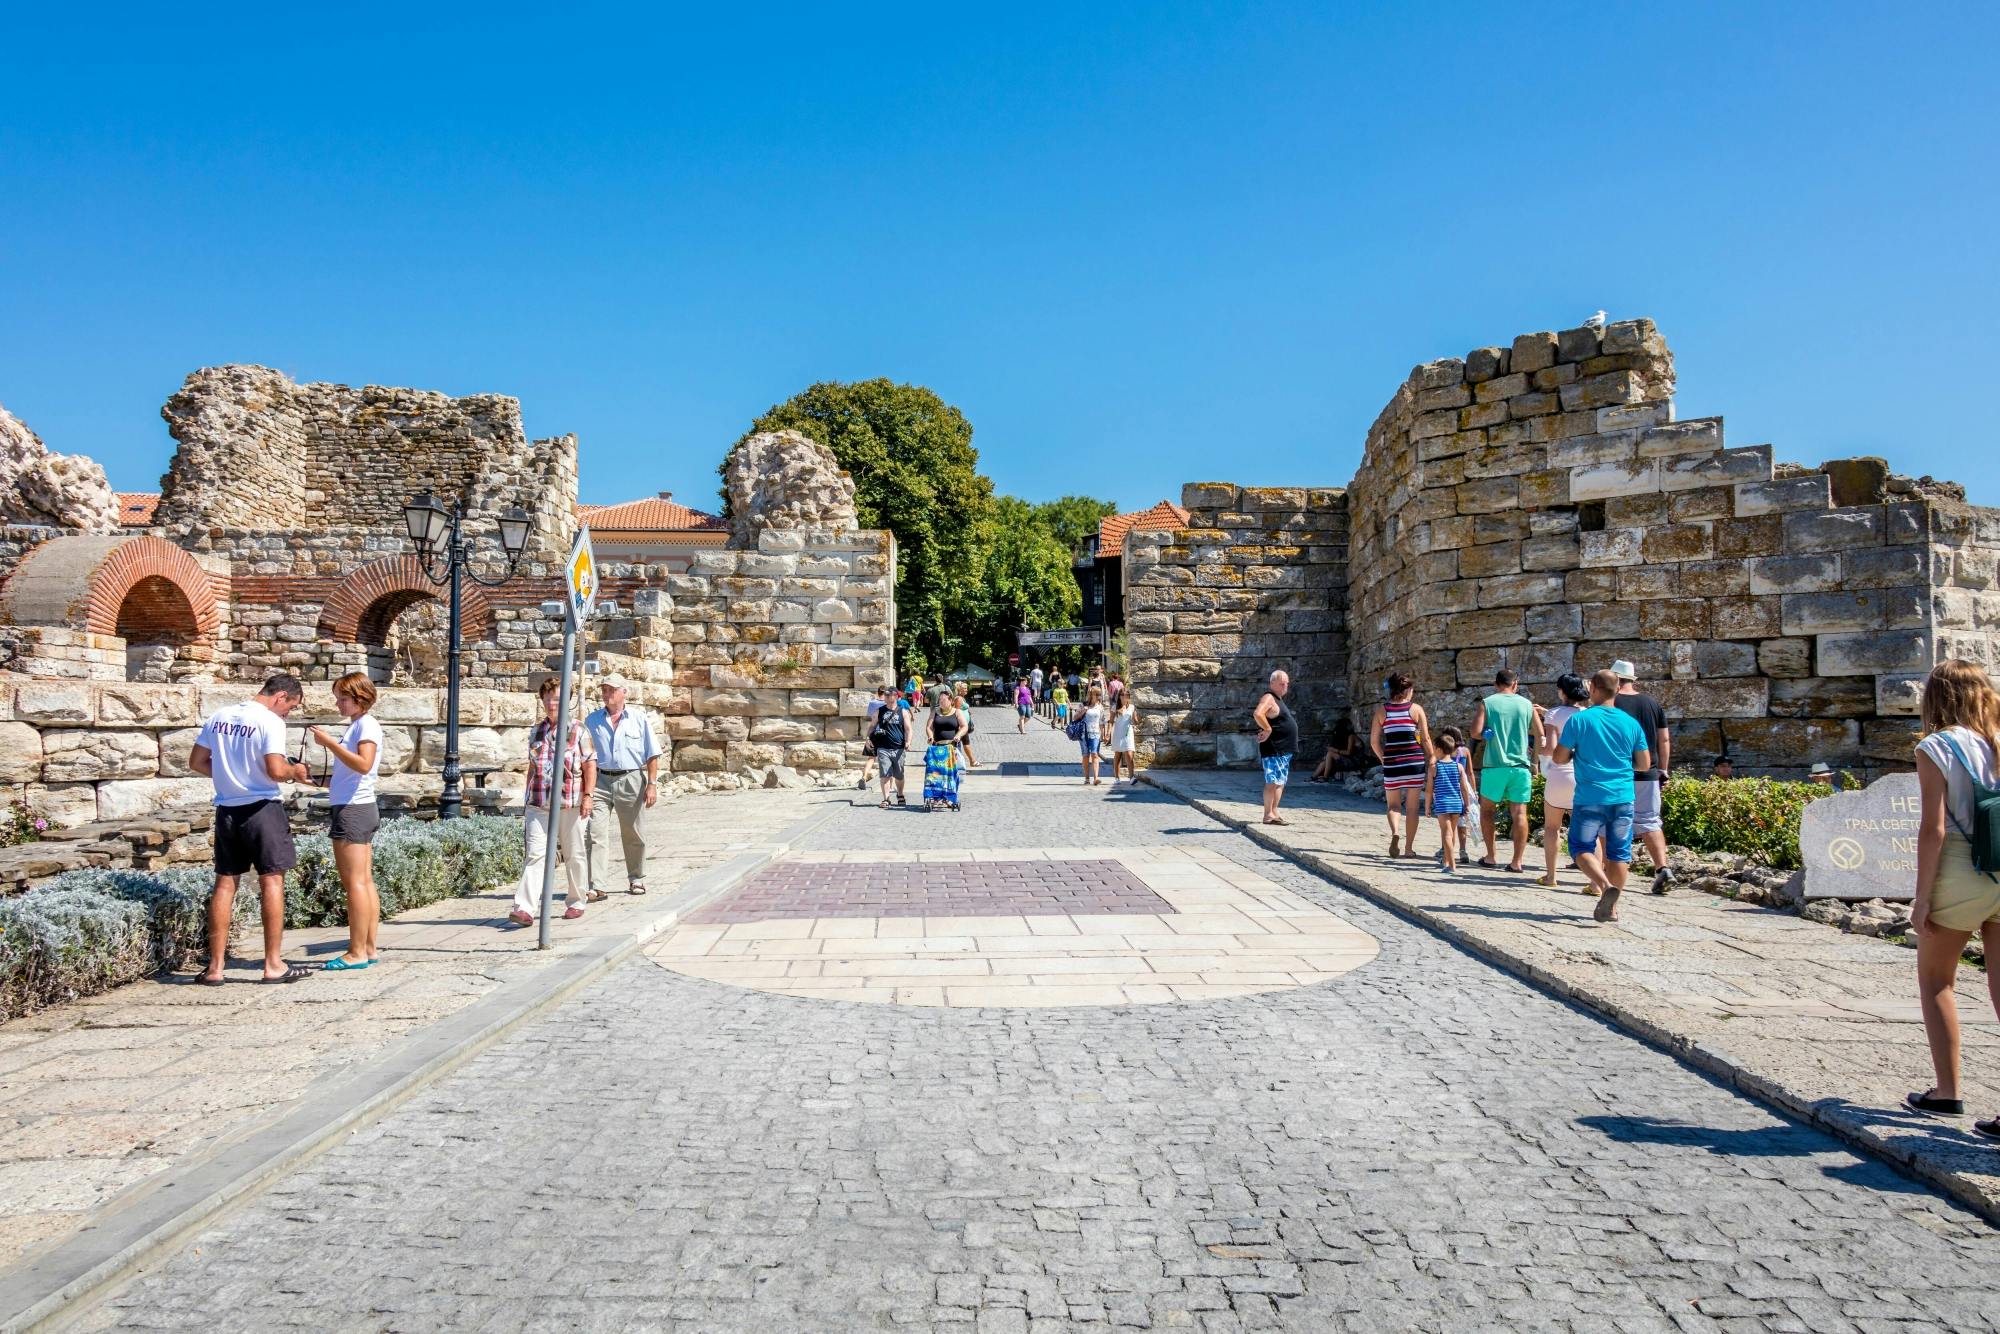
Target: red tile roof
{"points": [[1111, 532], [653, 514], [135, 508]]}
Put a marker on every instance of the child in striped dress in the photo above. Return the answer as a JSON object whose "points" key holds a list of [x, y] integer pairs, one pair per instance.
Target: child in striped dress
{"points": [[1446, 797]]}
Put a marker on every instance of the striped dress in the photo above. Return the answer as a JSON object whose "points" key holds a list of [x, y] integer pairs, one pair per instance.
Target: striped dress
{"points": [[1402, 754], [1448, 789]]}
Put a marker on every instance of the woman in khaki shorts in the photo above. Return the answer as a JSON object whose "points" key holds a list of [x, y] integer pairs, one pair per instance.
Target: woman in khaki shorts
{"points": [[355, 817], [1961, 717]]}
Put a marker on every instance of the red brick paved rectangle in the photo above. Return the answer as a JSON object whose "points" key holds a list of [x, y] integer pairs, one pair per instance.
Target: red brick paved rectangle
{"points": [[934, 889]]}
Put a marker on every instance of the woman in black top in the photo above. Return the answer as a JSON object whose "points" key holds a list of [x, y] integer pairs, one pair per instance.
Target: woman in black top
{"points": [[1277, 739], [941, 758]]}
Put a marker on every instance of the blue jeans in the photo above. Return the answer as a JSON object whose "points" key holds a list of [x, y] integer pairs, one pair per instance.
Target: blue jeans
{"points": [[1611, 823]]}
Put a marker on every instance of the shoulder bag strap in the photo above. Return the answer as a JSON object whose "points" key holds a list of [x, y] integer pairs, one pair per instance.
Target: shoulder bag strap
{"points": [[1970, 772]]}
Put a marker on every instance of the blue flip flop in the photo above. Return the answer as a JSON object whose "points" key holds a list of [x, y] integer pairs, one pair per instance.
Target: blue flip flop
{"points": [[339, 964]]}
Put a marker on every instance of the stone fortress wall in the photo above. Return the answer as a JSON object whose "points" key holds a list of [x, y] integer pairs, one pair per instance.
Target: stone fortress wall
{"points": [[1539, 506]]}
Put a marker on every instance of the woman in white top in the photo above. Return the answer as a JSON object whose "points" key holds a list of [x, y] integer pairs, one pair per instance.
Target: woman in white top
{"points": [[1124, 722], [1559, 780], [1961, 717], [351, 799], [1092, 740]]}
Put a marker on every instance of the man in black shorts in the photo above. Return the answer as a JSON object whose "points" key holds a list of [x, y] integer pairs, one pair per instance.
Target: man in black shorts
{"points": [[241, 750]]}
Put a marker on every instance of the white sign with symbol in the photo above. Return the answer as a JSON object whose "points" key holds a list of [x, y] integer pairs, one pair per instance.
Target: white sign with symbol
{"points": [[581, 575]]}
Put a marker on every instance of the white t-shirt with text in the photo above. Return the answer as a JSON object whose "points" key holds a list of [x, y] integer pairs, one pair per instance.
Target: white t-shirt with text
{"points": [[346, 787], [239, 737]]}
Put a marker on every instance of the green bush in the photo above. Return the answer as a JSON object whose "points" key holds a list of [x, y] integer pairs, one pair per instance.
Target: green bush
{"points": [[1751, 817], [415, 863], [85, 932]]}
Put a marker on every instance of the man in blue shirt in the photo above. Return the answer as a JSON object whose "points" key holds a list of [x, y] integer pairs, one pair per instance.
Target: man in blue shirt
{"points": [[1605, 746], [628, 767]]}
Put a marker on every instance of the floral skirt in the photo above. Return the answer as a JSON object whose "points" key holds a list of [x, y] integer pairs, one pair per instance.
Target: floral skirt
{"points": [[941, 774]]}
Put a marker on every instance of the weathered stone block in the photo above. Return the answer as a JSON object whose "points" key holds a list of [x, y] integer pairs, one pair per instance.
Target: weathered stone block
{"points": [[1834, 530], [770, 703], [1865, 609], [1637, 583], [1703, 502], [1611, 620], [1557, 552], [816, 755], [1493, 493], [1590, 451], [1520, 590], [1591, 585], [1532, 352], [1857, 481], [55, 702], [1499, 387], [1679, 542], [1791, 742], [1490, 559], [1599, 391], [1578, 344], [1722, 657], [84, 755], [1476, 628], [1867, 653], [1823, 697], [1785, 658], [1725, 697], [1447, 396], [1535, 404], [1795, 574], [1782, 496], [1610, 547], [20, 753], [1553, 621], [1651, 658], [1675, 618], [1621, 478], [1758, 536], [1484, 363], [1899, 693], [1636, 511], [137, 798], [1695, 436], [1746, 618], [1626, 416], [1714, 578]]}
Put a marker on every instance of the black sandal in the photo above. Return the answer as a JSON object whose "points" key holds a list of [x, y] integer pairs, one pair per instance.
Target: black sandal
{"points": [[1990, 1129], [292, 974], [1924, 1102]]}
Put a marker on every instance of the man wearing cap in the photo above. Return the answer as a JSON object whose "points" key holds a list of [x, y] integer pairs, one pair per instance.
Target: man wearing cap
{"points": [[628, 767], [1505, 731], [1652, 719]]}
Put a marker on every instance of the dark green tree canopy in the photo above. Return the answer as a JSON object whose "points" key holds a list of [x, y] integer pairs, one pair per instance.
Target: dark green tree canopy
{"points": [[1074, 518]]}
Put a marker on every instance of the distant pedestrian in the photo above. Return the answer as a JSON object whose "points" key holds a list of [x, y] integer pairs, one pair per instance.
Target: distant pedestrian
{"points": [[1090, 735], [352, 815], [1035, 683], [1506, 729], [1821, 773], [1607, 747], [1124, 738], [1446, 797], [1401, 740], [1075, 684], [1114, 690], [1724, 768], [628, 766], [889, 732], [1024, 705], [552, 744], [941, 756], [1559, 780], [965, 733], [1647, 821], [1060, 698], [1958, 876], [1342, 752], [1277, 742], [241, 751]]}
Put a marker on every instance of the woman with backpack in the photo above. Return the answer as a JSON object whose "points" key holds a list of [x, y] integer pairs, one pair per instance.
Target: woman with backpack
{"points": [[1958, 861], [889, 735]]}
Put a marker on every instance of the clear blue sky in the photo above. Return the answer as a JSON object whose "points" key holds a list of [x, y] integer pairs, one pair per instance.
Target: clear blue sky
{"points": [[1137, 245]]}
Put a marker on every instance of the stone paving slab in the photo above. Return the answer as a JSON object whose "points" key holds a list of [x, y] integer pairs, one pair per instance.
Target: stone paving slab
{"points": [[1817, 1022], [101, 1098]]}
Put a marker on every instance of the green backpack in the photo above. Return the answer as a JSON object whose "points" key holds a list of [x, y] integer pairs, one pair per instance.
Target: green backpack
{"points": [[1984, 836]]}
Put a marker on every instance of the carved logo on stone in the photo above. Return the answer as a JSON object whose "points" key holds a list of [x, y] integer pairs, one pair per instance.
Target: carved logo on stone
{"points": [[1863, 845]]}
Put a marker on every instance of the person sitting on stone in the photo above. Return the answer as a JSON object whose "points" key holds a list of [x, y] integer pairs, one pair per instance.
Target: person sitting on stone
{"points": [[1343, 753]]}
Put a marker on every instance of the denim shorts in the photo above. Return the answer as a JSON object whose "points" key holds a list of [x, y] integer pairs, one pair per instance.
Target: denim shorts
{"points": [[1091, 742], [1611, 823]]}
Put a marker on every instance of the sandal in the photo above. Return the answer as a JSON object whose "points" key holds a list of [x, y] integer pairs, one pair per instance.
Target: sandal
{"points": [[885, 803], [340, 964], [1924, 1102], [1547, 882], [1990, 1129], [1489, 865], [1607, 905], [291, 974], [1395, 846], [1277, 819], [210, 981]]}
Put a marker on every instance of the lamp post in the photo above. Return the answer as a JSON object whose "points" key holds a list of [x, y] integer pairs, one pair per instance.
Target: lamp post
{"points": [[440, 537]]}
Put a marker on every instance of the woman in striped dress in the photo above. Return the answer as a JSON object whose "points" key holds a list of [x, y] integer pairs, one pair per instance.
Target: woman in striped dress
{"points": [[1401, 739]]}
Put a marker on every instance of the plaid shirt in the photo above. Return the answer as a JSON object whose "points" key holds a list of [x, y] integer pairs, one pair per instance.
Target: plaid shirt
{"points": [[541, 765]]}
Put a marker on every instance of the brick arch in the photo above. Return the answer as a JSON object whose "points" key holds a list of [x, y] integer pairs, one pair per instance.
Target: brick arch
{"points": [[367, 601], [145, 564]]}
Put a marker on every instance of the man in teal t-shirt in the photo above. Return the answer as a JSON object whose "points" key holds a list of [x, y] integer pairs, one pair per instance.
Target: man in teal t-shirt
{"points": [[1604, 746], [1508, 729]]}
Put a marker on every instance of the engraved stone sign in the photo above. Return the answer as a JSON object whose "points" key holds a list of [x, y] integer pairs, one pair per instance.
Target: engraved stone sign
{"points": [[1863, 845]]}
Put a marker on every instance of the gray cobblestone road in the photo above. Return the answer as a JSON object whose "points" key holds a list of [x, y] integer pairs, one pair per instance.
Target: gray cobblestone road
{"points": [[1423, 1144]]}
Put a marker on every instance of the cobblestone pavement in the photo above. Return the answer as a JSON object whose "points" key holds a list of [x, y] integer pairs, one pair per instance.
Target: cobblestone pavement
{"points": [[1423, 1143], [1825, 1021], [109, 1093]]}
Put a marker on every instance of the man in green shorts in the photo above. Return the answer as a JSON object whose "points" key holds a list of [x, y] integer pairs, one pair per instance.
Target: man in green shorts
{"points": [[1508, 730]]}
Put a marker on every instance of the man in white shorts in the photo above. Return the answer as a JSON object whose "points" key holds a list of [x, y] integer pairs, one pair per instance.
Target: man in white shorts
{"points": [[1644, 710]]}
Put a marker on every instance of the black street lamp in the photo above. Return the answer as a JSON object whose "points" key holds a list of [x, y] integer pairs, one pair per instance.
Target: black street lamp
{"points": [[439, 535]]}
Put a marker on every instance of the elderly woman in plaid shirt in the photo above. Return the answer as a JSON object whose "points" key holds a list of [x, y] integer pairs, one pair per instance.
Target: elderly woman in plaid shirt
{"points": [[579, 780]]}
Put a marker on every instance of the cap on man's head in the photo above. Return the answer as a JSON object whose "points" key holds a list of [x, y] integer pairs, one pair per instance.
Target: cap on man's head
{"points": [[613, 681], [1820, 767], [1624, 670]]}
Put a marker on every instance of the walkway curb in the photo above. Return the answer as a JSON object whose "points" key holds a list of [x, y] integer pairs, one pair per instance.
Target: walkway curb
{"points": [[47, 1291], [1833, 1120]]}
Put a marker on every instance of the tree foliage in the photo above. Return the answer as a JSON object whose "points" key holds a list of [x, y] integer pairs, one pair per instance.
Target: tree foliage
{"points": [[1074, 518], [916, 474], [1024, 580]]}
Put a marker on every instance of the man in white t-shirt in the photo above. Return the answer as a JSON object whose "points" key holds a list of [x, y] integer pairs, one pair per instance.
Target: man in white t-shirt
{"points": [[241, 749]]}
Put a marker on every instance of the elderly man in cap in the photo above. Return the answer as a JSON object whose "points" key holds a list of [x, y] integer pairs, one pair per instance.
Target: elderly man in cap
{"points": [[628, 770], [1644, 710]]}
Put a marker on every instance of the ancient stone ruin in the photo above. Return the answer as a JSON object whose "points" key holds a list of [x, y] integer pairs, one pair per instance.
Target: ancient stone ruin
{"points": [[279, 544], [1540, 506], [37, 487]]}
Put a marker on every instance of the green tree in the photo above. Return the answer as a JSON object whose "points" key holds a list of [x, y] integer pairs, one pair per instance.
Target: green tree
{"points": [[916, 474], [1074, 518], [1024, 580]]}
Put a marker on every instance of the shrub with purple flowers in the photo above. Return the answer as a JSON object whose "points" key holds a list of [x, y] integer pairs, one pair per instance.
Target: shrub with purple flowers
{"points": [[18, 825]]}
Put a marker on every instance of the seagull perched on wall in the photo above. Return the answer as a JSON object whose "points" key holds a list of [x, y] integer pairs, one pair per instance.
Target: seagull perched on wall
{"points": [[1595, 321]]}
